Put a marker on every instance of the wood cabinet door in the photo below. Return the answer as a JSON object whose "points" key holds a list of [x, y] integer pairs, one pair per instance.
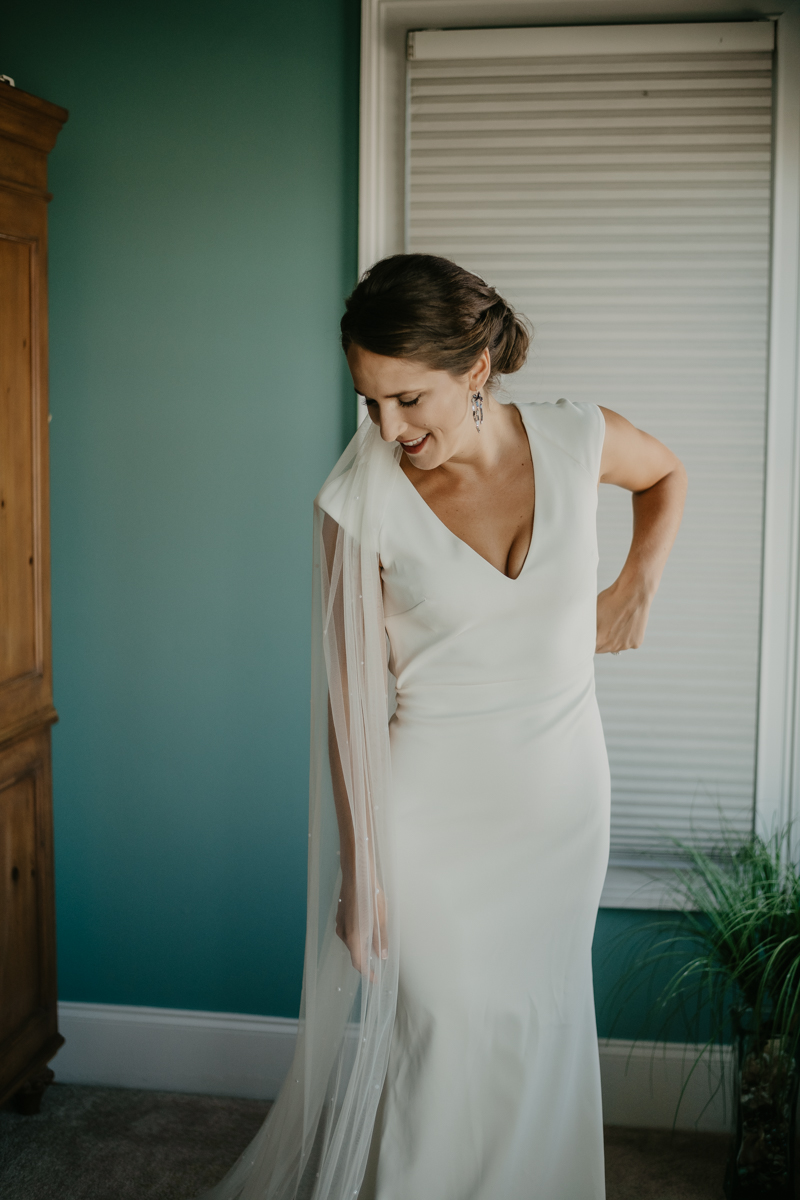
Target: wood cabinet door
{"points": [[27, 929], [28, 130], [25, 688], [20, 622]]}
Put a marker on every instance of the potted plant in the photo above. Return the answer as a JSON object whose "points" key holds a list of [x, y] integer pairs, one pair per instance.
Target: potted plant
{"points": [[735, 966]]}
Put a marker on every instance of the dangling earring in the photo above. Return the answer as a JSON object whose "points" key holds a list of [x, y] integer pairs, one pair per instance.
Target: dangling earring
{"points": [[477, 410]]}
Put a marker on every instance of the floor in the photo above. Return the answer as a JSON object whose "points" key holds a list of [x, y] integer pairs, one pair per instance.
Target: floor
{"points": [[116, 1144]]}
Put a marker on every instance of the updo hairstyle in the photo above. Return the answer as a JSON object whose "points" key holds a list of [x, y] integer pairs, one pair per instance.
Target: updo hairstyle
{"points": [[429, 310]]}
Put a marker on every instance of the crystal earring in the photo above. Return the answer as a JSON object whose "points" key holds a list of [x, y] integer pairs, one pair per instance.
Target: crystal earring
{"points": [[477, 410]]}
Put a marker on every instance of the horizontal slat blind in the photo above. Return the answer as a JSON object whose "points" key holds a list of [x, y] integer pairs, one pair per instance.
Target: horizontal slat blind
{"points": [[622, 202]]}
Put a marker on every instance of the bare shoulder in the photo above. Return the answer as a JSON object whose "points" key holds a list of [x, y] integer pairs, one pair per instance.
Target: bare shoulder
{"points": [[632, 458]]}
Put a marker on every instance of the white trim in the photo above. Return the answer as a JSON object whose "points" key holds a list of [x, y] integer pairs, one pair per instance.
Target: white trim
{"points": [[777, 782], [384, 31], [371, 170], [642, 1084], [634, 885], [234, 1055], [175, 1050], [699, 38]]}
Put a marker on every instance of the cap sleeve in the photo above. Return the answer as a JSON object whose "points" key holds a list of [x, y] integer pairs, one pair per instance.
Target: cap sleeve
{"points": [[578, 428]]}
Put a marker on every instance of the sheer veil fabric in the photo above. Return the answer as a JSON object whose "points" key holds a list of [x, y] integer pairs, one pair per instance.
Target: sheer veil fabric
{"points": [[318, 1131]]}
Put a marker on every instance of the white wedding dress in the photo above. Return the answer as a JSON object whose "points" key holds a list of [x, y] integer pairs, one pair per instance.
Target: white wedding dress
{"points": [[500, 824], [463, 1065]]}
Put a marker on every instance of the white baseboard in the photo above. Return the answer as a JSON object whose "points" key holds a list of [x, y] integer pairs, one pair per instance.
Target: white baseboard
{"points": [[642, 1084], [174, 1050], [227, 1054]]}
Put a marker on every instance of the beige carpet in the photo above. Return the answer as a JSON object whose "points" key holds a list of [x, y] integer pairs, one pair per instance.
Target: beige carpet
{"points": [[112, 1144]]}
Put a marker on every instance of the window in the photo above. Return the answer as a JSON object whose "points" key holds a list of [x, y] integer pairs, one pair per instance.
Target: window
{"points": [[615, 184]]}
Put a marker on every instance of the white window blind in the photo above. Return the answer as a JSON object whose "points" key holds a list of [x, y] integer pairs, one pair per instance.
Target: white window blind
{"points": [[614, 184]]}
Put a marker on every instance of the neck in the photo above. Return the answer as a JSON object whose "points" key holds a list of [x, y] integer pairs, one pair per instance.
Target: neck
{"points": [[482, 451]]}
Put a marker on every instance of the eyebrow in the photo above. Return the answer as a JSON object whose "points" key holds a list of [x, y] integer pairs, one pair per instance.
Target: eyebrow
{"points": [[391, 395]]}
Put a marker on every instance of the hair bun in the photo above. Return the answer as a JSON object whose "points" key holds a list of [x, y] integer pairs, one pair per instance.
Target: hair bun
{"points": [[511, 341], [428, 309]]}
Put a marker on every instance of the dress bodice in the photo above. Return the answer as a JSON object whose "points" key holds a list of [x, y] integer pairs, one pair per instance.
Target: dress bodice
{"points": [[455, 621]]}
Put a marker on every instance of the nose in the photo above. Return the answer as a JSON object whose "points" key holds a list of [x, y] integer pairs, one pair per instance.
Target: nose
{"points": [[391, 427]]}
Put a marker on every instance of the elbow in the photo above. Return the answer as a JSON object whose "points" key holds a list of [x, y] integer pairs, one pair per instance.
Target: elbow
{"points": [[681, 476]]}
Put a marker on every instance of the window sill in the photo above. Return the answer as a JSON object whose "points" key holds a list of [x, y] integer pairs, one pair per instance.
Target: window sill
{"points": [[640, 883]]}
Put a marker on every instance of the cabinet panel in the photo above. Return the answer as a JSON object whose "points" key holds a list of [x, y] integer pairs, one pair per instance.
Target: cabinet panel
{"points": [[27, 904], [20, 615], [20, 952], [26, 698]]}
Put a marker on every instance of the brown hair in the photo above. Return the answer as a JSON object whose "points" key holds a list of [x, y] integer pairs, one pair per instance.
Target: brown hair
{"points": [[429, 310]]}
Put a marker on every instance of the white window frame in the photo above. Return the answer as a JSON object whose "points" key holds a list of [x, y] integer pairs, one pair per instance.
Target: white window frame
{"points": [[385, 24]]}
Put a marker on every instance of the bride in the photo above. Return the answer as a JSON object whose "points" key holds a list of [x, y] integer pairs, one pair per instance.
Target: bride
{"points": [[459, 812]]}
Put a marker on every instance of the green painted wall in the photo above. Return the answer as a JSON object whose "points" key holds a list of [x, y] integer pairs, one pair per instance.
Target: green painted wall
{"points": [[203, 235]]}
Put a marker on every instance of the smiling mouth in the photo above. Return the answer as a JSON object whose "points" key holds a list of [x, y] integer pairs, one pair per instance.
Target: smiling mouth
{"points": [[416, 445]]}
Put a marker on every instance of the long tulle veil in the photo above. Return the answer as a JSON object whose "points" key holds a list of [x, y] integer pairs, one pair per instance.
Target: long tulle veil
{"points": [[315, 1140]]}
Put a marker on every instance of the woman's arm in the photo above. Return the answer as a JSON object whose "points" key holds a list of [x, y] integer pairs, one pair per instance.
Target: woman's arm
{"points": [[347, 917], [634, 460]]}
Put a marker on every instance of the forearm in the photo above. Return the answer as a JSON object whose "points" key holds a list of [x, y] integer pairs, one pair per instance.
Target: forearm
{"points": [[351, 919], [657, 513], [344, 816], [638, 462]]}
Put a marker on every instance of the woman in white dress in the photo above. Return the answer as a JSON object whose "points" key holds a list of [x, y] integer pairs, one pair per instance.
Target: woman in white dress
{"points": [[460, 1036]]}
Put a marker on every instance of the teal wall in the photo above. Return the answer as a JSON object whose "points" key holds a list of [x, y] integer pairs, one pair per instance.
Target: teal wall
{"points": [[203, 236]]}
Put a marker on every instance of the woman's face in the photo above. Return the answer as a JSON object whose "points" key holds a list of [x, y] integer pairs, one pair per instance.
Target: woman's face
{"points": [[428, 412]]}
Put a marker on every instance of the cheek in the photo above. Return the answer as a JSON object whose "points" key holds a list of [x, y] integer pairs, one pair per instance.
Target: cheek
{"points": [[449, 412]]}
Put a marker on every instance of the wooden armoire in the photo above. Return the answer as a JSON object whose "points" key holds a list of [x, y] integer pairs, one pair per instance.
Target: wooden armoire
{"points": [[29, 1034]]}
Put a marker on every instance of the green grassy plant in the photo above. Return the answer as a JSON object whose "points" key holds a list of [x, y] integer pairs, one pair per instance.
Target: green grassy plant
{"points": [[733, 962]]}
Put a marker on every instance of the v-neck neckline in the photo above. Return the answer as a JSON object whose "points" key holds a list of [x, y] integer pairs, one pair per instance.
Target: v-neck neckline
{"points": [[536, 477]]}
